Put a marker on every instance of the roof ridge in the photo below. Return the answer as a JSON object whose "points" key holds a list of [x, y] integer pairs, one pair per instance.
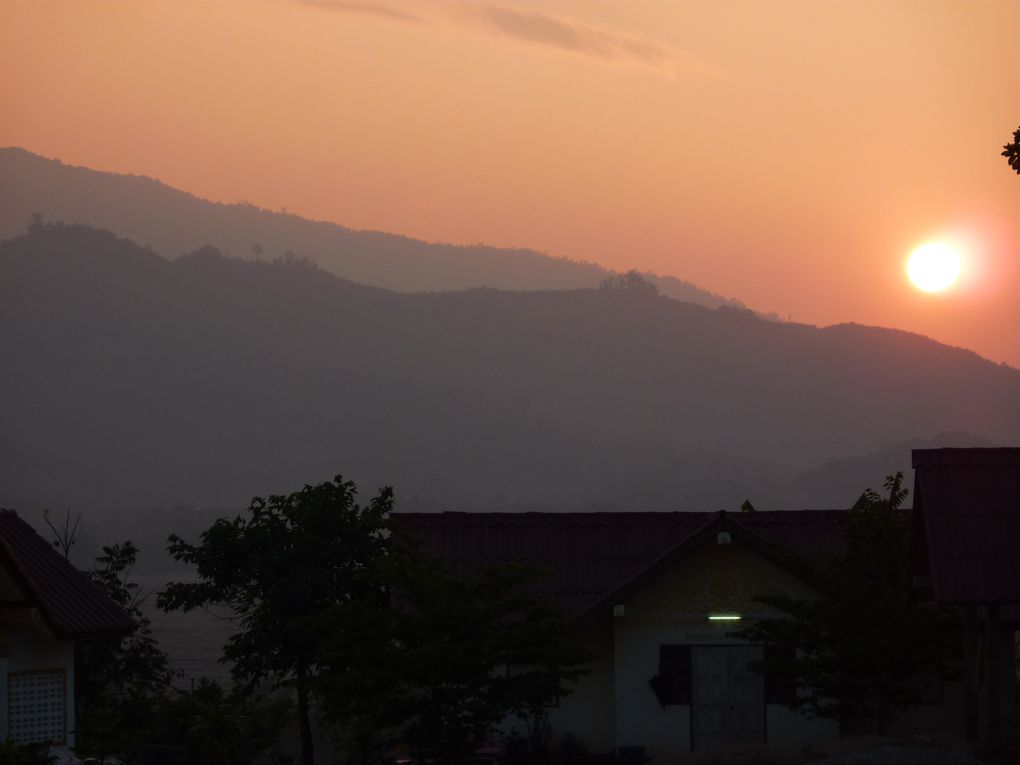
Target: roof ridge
{"points": [[590, 554], [44, 560]]}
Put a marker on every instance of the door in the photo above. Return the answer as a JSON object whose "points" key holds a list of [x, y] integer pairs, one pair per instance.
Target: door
{"points": [[728, 699]]}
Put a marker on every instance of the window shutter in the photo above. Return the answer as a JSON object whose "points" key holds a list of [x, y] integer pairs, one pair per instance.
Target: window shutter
{"points": [[675, 673]]}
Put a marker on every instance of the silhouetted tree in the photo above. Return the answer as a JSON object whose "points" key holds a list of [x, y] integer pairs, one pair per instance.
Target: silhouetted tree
{"points": [[1011, 151], [64, 536], [862, 651], [289, 559], [631, 282], [293, 260], [439, 671], [219, 726], [21, 754], [206, 252], [118, 682]]}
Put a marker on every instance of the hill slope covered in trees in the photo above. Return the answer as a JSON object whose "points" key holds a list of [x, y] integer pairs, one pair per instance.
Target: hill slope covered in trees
{"points": [[132, 381], [174, 222]]}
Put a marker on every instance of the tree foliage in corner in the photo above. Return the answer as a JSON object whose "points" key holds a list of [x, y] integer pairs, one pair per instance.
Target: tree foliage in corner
{"points": [[1011, 151], [864, 649], [289, 559], [442, 668], [118, 682], [220, 726]]}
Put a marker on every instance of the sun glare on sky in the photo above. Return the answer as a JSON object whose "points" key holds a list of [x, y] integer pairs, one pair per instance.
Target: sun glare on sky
{"points": [[595, 131], [933, 267]]}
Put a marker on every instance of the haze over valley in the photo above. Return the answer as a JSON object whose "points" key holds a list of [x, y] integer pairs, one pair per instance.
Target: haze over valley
{"points": [[136, 383]]}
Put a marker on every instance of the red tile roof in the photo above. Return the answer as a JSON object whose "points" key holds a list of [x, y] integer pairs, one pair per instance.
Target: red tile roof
{"points": [[70, 604], [967, 523], [591, 556]]}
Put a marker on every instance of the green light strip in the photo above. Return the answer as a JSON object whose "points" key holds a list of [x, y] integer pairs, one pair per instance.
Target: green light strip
{"points": [[724, 618]]}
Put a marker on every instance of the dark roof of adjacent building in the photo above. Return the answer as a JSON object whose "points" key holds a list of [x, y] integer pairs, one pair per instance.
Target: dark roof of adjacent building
{"points": [[593, 558], [69, 603], [967, 523]]}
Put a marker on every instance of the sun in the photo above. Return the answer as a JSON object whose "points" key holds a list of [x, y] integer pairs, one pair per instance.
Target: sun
{"points": [[933, 267]]}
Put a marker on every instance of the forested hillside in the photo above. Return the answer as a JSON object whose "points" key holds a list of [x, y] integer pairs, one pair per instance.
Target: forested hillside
{"points": [[174, 222], [133, 382]]}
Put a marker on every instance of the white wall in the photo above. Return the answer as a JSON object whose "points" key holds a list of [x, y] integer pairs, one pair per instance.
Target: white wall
{"points": [[640, 719], [588, 712], [32, 647], [674, 609], [614, 706]]}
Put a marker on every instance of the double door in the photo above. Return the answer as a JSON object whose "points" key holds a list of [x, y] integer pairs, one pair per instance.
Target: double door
{"points": [[728, 699]]}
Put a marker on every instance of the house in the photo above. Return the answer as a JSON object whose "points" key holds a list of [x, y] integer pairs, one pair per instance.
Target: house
{"points": [[966, 557], [655, 597], [46, 605]]}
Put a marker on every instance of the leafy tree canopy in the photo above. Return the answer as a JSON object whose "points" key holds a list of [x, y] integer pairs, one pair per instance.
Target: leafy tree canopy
{"points": [[862, 651], [1011, 151], [453, 658], [631, 282], [117, 682], [290, 558], [221, 727]]}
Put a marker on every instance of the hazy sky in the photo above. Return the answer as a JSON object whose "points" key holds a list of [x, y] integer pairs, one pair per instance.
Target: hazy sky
{"points": [[789, 153]]}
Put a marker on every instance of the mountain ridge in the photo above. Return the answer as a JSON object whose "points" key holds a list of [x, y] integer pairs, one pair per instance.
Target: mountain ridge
{"points": [[174, 222], [137, 381]]}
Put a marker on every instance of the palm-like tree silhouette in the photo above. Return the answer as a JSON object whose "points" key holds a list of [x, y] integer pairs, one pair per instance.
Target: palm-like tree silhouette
{"points": [[1012, 152]]}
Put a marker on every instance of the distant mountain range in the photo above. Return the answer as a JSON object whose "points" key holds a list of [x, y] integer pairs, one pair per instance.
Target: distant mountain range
{"points": [[174, 222], [132, 382]]}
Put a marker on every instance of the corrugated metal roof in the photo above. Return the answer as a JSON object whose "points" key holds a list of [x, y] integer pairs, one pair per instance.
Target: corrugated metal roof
{"points": [[71, 605], [967, 525], [590, 555]]}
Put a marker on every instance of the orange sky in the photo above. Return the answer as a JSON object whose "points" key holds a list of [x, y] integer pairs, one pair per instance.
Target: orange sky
{"points": [[789, 153]]}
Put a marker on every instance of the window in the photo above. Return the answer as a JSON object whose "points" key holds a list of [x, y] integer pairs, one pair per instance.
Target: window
{"points": [[673, 683], [35, 706]]}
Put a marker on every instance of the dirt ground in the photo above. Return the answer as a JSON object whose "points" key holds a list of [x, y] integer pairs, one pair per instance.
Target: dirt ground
{"points": [[858, 750]]}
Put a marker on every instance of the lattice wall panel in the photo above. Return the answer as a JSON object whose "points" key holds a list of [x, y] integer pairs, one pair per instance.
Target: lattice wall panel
{"points": [[36, 710]]}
